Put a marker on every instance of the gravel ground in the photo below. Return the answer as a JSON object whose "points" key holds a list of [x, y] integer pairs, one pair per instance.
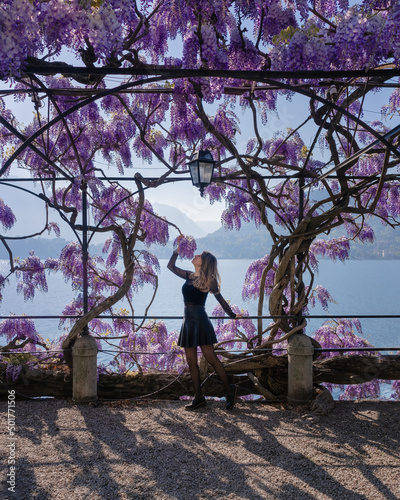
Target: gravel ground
{"points": [[156, 450]]}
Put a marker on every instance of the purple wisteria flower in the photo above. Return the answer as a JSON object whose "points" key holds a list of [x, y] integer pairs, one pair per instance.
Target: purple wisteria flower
{"points": [[368, 390], [334, 334], [242, 330], [20, 329], [321, 294], [396, 389], [13, 371], [7, 217], [102, 369], [251, 285], [334, 248], [341, 333], [150, 348], [185, 246], [31, 271], [3, 282]]}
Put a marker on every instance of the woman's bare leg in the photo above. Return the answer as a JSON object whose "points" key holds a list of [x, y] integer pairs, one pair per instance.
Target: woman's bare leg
{"points": [[211, 357], [191, 358]]}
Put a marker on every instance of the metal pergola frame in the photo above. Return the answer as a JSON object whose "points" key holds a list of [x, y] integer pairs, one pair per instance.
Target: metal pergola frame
{"points": [[270, 80]]}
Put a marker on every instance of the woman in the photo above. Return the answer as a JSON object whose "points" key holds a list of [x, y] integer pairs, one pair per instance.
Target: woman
{"points": [[197, 329]]}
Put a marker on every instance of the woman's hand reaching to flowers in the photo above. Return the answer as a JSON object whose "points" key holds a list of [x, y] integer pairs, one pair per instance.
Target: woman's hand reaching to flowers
{"points": [[185, 246]]}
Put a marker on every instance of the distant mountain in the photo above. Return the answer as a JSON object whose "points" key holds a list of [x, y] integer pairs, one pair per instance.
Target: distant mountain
{"points": [[209, 226], [248, 243], [177, 217], [385, 246], [46, 247], [253, 243]]}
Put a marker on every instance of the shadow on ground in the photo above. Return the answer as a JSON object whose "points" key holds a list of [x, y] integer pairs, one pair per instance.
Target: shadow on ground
{"points": [[157, 450]]}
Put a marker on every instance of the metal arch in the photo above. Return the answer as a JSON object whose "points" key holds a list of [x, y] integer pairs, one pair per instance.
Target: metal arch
{"points": [[28, 142], [257, 76]]}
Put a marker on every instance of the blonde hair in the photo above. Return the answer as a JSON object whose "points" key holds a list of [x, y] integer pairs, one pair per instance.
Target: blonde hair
{"points": [[208, 272]]}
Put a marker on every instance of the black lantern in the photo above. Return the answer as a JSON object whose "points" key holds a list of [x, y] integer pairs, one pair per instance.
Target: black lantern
{"points": [[201, 166]]}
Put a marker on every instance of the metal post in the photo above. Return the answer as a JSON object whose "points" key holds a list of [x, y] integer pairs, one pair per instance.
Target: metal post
{"points": [[85, 253], [300, 289]]}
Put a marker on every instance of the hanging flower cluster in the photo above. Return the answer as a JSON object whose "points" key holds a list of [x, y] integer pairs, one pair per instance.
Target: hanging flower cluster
{"points": [[151, 347], [251, 285], [239, 331], [185, 246], [334, 248], [32, 276], [7, 217]]}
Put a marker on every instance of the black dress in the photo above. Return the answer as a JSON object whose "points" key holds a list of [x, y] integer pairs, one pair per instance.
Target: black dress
{"points": [[197, 328]]}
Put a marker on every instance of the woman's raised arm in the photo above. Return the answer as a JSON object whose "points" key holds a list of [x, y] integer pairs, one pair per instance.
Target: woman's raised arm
{"points": [[176, 270]]}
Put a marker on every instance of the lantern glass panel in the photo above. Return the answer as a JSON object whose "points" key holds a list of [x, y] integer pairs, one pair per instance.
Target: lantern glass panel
{"points": [[194, 173], [206, 171]]}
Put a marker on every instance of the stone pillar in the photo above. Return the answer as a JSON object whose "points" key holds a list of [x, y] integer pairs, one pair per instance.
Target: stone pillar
{"points": [[84, 388], [300, 369]]}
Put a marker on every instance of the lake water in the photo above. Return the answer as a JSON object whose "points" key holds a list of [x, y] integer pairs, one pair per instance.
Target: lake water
{"points": [[358, 287]]}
